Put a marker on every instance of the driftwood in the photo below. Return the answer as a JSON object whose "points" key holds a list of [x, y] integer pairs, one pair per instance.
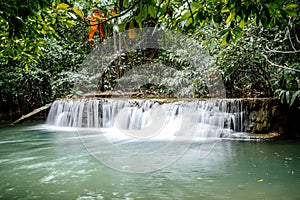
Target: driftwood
{"points": [[35, 111]]}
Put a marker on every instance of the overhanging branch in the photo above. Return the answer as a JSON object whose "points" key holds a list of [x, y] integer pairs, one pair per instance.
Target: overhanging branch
{"points": [[277, 51], [117, 16], [280, 66]]}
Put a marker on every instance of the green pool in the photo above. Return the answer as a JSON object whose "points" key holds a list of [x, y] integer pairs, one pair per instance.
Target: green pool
{"points": [[38, 162]]}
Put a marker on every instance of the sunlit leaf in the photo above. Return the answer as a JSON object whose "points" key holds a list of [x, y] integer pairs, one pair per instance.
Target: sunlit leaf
{"points": [[186, 15], [291, 6], [80, 13], [71, 22], [62, 6], [229, 18], [225, 10], [43, 32], [242, 24]]}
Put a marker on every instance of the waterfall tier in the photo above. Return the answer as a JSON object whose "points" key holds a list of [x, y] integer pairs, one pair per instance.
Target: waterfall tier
{"points": [[204, 117]]}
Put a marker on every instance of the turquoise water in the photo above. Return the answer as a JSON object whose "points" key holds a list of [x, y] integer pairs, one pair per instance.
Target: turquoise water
{"points": [[37, 162]]}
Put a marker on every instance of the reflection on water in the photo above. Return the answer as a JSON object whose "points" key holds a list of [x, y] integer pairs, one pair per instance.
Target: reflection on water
{"points": [[40, 163]]}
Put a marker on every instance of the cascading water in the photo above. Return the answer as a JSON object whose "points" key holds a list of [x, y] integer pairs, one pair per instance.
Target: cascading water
{"points": [[202, 117]]}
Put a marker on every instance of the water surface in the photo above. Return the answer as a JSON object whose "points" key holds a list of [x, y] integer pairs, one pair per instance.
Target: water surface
{"points": [[38, 162]]}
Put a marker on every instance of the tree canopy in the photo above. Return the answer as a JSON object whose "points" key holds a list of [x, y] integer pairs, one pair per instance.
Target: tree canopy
{"points": [[255, 44]]}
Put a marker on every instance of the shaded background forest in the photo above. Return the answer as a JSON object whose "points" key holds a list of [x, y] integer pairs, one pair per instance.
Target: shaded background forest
{"points": [[255, 45]]}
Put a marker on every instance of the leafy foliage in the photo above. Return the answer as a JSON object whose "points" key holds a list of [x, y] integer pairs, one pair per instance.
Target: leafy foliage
{"points": [[25, 26], [255, 45]]}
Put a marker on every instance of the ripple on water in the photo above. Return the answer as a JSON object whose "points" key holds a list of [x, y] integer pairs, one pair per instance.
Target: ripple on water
{"points": [[12, 141], [64, 176], [22, 160], [36, 165], [4, 160]]}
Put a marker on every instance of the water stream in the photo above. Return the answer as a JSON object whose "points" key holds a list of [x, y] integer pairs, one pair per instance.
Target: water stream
{"points": [[138, 114]]}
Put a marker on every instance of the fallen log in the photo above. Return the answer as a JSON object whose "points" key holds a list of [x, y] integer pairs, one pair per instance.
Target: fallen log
{"points": [[35, 111]]}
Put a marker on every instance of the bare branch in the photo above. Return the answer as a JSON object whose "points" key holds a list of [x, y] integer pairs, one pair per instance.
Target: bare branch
{"points": [[297, 38], [280, 66], [277, 51], [291, 39]]}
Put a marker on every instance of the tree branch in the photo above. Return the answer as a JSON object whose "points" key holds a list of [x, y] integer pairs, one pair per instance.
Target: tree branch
{"points": [[117, 16], [277, 51], [190, 10], [280, 66], [291, 39]]}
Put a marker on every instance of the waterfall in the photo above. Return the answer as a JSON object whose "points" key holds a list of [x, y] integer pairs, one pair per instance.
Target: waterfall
{"points": [[202, 117]]}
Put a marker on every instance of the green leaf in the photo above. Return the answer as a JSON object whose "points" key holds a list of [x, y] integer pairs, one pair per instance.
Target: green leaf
{"points": [[223, 32], [217, 18], [144, 12], [196, 4], [189, 21], [70, 22], [242, 24], [125, 3], [281, 94], [238, 31], [291, 13], [152, 11], [229, 36], [186, 15], [291, 6], [273, 22], [294, 97], [224, 39], [287, 96]]}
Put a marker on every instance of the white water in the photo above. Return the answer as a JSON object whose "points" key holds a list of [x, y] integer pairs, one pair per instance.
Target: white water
{"points": [[213, 118]]}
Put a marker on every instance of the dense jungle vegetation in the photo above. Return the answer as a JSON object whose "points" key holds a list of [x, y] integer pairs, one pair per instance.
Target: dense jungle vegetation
{"points": [[255, 45]]}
